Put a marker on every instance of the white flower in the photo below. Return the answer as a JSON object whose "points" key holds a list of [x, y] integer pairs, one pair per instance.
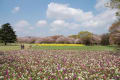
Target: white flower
{"points": [[1, 77]]}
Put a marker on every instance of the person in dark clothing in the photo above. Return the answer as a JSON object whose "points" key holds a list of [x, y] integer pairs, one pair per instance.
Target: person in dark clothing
{"points": [[22, 46]]}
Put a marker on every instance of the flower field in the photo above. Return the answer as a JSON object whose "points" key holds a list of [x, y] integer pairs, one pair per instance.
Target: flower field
{"points": [[59, 45], [59, 65]]}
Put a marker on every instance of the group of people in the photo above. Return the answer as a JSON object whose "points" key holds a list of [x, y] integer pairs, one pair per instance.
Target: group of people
{"points": [[22, 46]]}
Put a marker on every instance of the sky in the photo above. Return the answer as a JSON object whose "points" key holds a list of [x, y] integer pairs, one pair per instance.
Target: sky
{"points": [[56, 17]]}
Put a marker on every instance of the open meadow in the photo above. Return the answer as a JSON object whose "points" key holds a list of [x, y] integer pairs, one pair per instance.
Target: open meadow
{"points": [[59, 63], [50, 47]]}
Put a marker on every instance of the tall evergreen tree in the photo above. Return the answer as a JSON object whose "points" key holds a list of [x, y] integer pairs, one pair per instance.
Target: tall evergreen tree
{"points": [[0, 36], [7, 34]]}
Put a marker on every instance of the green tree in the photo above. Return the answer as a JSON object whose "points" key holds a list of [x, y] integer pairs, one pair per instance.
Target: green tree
{"points": [[0, 36], [115, 28], [115, 33], [85, 36], [105, 39], [73, 36], [7, 34]]}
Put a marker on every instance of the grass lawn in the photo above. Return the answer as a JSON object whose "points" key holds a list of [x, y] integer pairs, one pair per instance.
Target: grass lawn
{"points": [[9, 48], [88, 48], [82, 48]]}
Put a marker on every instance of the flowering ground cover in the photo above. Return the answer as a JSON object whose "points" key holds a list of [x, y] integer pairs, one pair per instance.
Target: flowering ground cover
{"points": [[59, 44], [59, 65]]}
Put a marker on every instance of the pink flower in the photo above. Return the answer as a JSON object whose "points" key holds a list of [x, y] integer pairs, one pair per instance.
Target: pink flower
{"points": [[58, 67], [74, 76], [30, 78], [7, 73]]}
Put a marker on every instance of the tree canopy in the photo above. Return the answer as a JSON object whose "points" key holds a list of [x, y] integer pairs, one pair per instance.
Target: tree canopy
{"points": [[0, 36], [85, 36], [73, 36], [115, 33], [115, 28], [105, 39], [7, 34]]}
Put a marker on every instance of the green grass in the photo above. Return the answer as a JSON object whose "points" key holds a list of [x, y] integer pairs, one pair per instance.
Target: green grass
{"points": [[9, 48], [88, 48]]}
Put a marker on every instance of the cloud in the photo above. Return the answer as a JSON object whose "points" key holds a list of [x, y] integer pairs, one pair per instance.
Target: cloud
{"points": [[103, 19], [62, 14], [61, 24], [22, 23], [63, 11], [58, 24], [63, 19], [41, 23], [101, 4], [23, 28], [16, 9], [31, 28]]}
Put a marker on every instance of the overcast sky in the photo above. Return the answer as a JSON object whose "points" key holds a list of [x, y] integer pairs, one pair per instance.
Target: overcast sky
{"points": [[56, 17]]}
